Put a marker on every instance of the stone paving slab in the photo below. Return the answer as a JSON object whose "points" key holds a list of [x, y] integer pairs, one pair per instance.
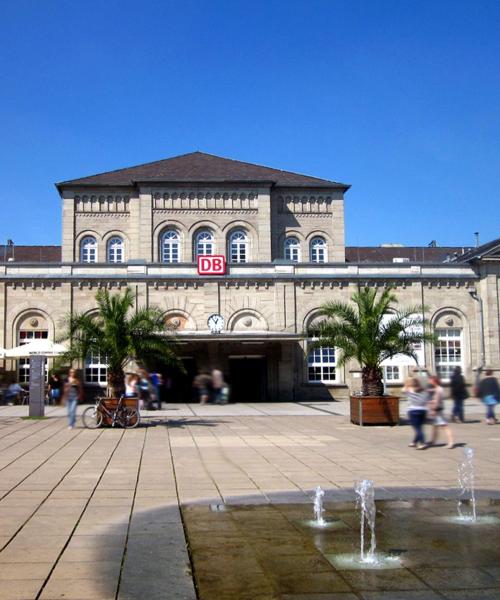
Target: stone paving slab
{"points": [[76, 499]]}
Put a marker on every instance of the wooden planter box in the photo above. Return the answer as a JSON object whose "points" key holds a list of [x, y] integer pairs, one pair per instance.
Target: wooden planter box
{"points": [[112, 403], [375, 410]]}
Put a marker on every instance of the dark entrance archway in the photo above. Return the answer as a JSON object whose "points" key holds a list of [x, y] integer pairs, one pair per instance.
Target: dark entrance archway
{"points": [[248, 378]]}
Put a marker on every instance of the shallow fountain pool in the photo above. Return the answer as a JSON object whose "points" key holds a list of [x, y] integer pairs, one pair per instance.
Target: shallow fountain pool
{"points": [[276, 552]]}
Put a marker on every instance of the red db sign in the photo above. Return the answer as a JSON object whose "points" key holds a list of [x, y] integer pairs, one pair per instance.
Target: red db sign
{"points": [[211, 265]]}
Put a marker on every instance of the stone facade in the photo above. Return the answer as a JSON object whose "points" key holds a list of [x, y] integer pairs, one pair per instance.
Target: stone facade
{"points": [[266, 301]]}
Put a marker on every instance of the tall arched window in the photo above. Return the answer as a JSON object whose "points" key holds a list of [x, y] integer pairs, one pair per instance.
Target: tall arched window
{"points": [[88, 249], [170, 247], [204, 243], [238, 246], [318, 250], [115, 250], [292, 249]]}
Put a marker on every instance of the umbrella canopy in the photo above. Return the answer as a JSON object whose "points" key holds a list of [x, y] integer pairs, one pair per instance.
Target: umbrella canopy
{"points": [[2, 352], [45, 347]]}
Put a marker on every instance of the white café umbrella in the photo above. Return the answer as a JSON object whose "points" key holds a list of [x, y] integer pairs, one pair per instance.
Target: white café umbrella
{"points": [[44, 347]]}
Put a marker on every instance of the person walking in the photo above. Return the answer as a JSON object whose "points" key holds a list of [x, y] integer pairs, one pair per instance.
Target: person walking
{"points": [[436, 406], [459, 394], [72, 394], [489, 392], [218, 387], [55, 385], [417, 399], [144, 388], [202, 383], [131, 389]]}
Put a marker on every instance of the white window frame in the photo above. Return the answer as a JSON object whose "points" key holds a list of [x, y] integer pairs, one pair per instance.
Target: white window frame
{"points": [[204, 243], [88, 249], [95, 371], [238, 246], [23, 365], [292, 249], [115, 250], [444, 339], [393, 373], [318, 250], [323, 360], [171, 247]]}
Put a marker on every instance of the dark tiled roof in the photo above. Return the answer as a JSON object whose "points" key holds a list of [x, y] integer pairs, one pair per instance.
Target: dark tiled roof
{"points": [[416, 254], [40, 254], [490, 249], [201, 167]]}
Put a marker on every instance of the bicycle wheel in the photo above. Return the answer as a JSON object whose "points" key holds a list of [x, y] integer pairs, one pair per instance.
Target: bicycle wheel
{"points": [[130, 417], [92, 417]]}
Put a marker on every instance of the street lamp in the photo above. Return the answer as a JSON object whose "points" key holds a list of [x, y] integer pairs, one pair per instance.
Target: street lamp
{"points": [[475, 296]]}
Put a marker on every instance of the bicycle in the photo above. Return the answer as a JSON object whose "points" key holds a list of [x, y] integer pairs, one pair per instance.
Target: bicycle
{"points": [[126, 417]]}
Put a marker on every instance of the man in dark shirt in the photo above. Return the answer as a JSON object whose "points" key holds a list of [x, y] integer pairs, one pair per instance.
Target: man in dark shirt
{"points": [[489, 392]]}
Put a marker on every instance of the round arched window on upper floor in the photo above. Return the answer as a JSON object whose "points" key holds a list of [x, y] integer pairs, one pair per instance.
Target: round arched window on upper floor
{"points": [[115, 250], [292, 249], [88, 249], [318, 250], [204, 243], [238, 246], [170, 246]]}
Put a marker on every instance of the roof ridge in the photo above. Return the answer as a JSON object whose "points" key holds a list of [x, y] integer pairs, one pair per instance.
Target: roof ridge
{"points": [[151, 162], [252, 164], [161, 161]]}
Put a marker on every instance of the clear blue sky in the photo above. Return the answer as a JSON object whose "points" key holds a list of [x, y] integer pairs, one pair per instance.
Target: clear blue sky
{"points": [[399, 98]]}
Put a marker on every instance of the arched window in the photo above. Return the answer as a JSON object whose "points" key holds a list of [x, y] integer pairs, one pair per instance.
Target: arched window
{"points": [[448, 351], [88, 249], [204, 243], [115, 250], [170, 247], [238, 247], [318, 250], [292, 249]]}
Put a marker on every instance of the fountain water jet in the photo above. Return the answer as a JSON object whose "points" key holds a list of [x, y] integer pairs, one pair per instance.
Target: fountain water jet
{"points": [[466, 473], [366, 502], [318, 507]]}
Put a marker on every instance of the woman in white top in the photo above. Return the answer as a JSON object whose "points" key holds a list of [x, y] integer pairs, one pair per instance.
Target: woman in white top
{"points": [[417, 410], [436, 405]]}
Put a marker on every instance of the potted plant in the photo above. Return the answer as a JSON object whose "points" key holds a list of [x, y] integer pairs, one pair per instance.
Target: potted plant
{"points": [[371, 330], [120, 335]]}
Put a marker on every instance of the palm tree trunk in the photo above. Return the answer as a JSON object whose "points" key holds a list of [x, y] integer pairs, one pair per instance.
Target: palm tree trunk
{"points": [[116, 384], [372, 384]]}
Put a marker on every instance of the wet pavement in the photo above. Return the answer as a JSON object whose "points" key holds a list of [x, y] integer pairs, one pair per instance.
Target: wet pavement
{"points": [[274, 552]]}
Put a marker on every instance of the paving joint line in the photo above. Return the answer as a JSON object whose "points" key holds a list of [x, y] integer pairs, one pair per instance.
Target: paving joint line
{"points": [[42, 463], [56, 432], [52, 490], [124, 555], [70, 537], [183, 522]]}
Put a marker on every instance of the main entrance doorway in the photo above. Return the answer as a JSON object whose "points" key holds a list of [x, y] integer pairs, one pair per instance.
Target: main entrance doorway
{"points": [[248, 378]]}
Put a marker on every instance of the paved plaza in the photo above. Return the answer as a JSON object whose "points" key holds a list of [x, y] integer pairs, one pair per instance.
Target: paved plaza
{"points": [[96, 513]]}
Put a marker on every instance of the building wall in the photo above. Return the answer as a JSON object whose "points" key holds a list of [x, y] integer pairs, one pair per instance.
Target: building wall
{"points": [[140, 216], [251, 306]]}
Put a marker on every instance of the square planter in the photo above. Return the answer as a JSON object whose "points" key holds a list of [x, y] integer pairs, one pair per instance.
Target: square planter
{"points": [[375, 410], [112, 403]]}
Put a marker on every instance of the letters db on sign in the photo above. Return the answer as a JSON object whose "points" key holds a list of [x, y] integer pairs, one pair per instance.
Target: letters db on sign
{"points": [[212, 265]]}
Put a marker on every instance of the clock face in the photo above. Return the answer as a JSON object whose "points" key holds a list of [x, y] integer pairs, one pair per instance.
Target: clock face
{"points": [[215, 323]]}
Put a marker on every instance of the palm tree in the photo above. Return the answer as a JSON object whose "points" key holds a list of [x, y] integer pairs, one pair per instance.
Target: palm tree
{"points": [[370, 332], [119, 335]]}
